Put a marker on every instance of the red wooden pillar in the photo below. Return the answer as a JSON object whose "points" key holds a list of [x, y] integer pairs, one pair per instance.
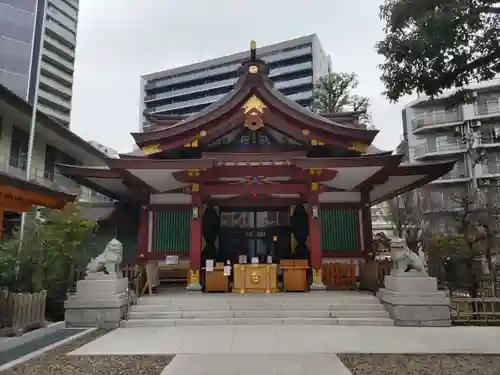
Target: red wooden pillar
{"points": [[195, 240], [143, 234], [2, 212], [366, 220], [314, 215]]}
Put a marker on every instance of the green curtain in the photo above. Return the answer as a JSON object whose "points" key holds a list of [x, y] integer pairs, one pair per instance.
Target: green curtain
{"points": [[171, 231], [339, 230]]}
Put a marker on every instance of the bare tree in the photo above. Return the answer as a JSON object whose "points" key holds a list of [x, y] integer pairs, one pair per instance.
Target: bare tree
{"points": [[407, 215], [468, 247]]}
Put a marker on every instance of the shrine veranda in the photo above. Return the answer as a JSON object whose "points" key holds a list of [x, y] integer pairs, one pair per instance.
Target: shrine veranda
{"points": [[254, 178]]}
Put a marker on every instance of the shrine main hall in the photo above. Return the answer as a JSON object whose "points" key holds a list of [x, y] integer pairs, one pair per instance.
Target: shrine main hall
{"points": [[254, 189]]}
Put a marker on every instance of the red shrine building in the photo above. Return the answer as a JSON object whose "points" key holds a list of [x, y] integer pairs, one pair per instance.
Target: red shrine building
{"points": [[253, 180]]}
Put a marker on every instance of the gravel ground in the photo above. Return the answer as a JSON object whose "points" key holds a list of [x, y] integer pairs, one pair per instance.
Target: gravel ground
{"points": [[439, 364], [56, 362]]}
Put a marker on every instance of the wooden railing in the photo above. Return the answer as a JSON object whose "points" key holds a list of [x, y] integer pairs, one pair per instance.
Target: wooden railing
{"points": [[340, 275], [20, 312], [475, 311], [136, 275]]}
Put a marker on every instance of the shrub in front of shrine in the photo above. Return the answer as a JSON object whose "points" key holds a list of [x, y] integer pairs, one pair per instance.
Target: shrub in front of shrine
{"points": [[48, 256]]}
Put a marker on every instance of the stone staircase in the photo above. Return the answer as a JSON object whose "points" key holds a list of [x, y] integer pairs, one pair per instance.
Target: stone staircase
{"points": [[315, 308]]}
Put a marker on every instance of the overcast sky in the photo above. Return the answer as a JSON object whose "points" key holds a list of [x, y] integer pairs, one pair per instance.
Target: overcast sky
{"points": [[118, 40]]}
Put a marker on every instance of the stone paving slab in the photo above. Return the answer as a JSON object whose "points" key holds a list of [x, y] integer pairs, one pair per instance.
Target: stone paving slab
{"points": [[252, 364], [295, 339]]}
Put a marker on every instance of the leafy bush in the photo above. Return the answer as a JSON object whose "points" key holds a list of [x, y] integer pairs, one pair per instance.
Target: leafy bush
{"points": [[46, 258]]}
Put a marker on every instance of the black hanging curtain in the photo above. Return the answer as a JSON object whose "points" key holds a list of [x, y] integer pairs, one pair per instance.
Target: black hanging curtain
{"points": [[211, 232], [300, 229]]}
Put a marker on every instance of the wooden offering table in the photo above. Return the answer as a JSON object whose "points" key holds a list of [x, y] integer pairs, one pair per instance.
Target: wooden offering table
{"points": [[215, 280], [294, 274], [255, 278]]}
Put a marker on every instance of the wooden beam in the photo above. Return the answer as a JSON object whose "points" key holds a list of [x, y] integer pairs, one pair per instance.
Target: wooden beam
{"points": [[217, 173], [135, 183], [260, 201], [249, 189]]}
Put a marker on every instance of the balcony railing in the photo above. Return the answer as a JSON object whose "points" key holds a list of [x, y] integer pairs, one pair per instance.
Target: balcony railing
{"points": [[492, 168], [438, 147], [488, 107], [441, 201], [436, 118], [51, 179], [488, 139]]}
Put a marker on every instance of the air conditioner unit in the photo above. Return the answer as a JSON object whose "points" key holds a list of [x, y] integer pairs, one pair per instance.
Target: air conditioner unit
{"points": [[476, 124], [484, 182]]}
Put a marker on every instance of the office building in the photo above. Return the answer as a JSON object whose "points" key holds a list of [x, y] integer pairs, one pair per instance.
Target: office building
{"points": [[29, 28], [294, 67], [434, 131]]}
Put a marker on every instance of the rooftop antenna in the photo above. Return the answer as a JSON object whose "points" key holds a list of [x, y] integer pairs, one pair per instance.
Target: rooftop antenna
{"points": [[253, 50]]}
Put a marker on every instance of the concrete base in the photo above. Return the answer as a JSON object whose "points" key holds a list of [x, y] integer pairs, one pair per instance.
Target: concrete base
{"points": [[194, 288], [415, 301], [318, 287], [100, 301]]}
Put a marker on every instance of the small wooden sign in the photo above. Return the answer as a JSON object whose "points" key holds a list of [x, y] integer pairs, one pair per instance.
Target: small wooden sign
{"points": [[172, 260], [209, 265]]}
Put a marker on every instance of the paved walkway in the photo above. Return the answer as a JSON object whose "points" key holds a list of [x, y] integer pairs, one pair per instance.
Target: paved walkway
{"points": [[295, 340], [256, 364]]}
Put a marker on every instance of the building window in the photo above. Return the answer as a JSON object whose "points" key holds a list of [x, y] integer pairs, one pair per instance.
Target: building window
{"points": [[50, 161], [53, 156], [19, 148]]}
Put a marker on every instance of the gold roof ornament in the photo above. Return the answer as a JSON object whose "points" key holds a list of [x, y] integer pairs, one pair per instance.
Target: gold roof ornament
{"points": [[358, 147], [152, 149], [254, 109], [253, 50], [254, 103]]}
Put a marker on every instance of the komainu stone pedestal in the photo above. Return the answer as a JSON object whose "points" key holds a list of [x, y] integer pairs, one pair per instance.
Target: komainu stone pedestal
{"points": [[415, 301], [100, 301]]}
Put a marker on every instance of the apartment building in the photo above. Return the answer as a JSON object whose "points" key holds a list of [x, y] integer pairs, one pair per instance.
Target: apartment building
{"points": [[28, 29], [434, 131], [53, 144], [295, 65], [381, 220]]}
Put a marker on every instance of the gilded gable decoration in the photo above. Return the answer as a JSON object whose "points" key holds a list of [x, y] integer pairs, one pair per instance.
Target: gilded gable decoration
{"points": [[254, 109]]}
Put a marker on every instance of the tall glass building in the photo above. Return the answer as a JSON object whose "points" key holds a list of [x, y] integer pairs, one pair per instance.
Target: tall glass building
{"points": [[29, 28]]}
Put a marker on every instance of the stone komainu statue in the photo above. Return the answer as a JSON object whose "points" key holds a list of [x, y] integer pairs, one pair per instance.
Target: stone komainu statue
{"points": [[405, 261], [109, 260]]}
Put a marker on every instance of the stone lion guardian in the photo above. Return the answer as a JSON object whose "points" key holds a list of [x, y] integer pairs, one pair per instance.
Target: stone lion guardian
{"points": [[108, 262], [405, 261]]}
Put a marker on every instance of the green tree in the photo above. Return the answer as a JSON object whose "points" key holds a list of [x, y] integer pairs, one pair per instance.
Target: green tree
{"points": [[56, 241], [433, 45], [51, 244], [334, 92]]}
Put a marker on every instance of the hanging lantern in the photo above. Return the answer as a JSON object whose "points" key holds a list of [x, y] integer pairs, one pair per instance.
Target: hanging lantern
{"points": [[196, 213], [315, 212]]}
